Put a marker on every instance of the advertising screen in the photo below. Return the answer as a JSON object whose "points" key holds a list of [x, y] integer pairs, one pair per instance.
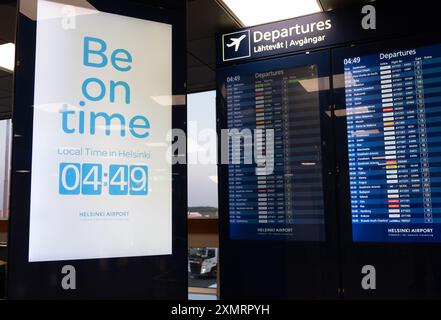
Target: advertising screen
{"points": [[101, 175], [394, 144], [283, 199]]}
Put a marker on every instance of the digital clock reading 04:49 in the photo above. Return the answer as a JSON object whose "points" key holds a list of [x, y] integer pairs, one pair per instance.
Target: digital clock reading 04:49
{"points": [[89, 179]]}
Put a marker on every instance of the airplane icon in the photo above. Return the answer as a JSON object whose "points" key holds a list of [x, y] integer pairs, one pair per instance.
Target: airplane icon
{"points": [[236, 42], [242, 49]]}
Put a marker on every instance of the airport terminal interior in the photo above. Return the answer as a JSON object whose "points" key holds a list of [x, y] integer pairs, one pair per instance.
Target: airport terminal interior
{"points": [[220, 150]]}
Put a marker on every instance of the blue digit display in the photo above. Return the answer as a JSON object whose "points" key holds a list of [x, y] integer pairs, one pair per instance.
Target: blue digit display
{"points": [[118, 180], [90, 179], [138, 180], [70, 178]]}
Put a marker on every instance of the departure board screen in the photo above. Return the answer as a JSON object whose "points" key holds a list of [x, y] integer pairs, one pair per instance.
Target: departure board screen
{"points": [[283, 201], [393, 106]]}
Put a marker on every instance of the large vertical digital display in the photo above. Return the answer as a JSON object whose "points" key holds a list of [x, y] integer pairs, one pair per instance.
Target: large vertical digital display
{"points": [[286, 202], [101, 177], [394, 144]]}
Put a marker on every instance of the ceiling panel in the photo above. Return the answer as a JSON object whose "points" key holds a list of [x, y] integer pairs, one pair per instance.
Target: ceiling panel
{"points": [[7, 21], [204, 49], [335, 4], [169, 4], [5, 81], [205, 18]]}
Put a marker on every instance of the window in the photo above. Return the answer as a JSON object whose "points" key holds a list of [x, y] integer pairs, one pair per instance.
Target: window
{"points": [[202, 155], [202, 196]]}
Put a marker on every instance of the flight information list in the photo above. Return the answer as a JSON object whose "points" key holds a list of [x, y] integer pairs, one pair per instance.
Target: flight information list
{"points": [[393, 106], [283, 201]]}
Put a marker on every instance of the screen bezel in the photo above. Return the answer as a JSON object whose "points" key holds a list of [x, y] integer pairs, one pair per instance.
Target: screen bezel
{"points": [[154, 277], [317, 256], [395, 262]]}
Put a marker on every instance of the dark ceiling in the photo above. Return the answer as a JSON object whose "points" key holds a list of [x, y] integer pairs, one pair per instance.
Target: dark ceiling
{"points": [[205, 18]]}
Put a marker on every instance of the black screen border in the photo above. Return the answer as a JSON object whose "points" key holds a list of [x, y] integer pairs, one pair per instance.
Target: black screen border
{"points": [[400, 266], [317, 274]]}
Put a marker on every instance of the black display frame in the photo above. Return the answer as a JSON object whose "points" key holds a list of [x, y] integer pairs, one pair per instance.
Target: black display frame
{"points": [[155, 277], [396, 25], [400, 268], [304, 269]]}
